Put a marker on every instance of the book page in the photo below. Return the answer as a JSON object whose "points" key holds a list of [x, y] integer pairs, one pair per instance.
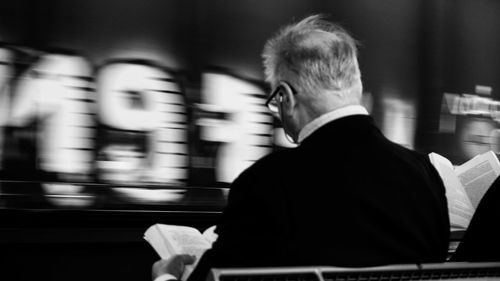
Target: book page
{"points": [[210, 234], [170, 240], [477, 175], [184, 240], [460, 207], [157, 241]]}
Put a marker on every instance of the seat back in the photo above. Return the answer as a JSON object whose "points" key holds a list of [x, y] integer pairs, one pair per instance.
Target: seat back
{"points": [[455, 271]]}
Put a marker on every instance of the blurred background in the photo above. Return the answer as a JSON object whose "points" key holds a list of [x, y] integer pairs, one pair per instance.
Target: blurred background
{"points": [[118, 114], [134, 105]]}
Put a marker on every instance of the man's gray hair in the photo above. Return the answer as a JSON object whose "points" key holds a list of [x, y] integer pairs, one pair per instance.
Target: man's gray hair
{"points": [[314, 55]]}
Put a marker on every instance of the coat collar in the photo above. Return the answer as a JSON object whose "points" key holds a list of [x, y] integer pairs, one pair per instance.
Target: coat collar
{"points": [[319, 122]]}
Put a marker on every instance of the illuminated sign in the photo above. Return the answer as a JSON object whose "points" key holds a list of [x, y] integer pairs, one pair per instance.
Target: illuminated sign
{"points": [[472, 105], [473, 121], [143, 98], [246, 132], [55, 93], [128, 122]]}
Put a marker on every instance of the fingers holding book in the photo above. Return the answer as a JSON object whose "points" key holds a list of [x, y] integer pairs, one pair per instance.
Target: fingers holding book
{"points": [[174, 266]]}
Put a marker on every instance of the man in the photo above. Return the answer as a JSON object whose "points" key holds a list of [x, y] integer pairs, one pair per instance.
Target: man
{"points": [[481, 240], [346, 195]]}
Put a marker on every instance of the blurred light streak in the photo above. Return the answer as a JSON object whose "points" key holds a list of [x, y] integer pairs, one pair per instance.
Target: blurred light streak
{"points": [[123, 164], [67, 195], [245, 133], [495, 140], [477, 136], [142, 195], [158, 111], [56, 93], [477, 123], [399, 120], [5, 76], [143, 49]]}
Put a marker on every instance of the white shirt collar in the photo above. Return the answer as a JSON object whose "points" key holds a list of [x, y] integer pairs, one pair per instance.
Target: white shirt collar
{"points": [[312, 126]]}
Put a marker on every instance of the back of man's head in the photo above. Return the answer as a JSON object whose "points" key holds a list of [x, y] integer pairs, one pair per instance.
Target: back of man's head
{"points": [[318, 58]]}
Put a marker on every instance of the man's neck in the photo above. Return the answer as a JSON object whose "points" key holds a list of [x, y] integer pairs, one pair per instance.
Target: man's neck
{"points": [[321, 120]]}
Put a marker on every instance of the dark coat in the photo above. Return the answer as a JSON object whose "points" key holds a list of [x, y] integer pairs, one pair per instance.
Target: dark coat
{"points": [[347, 196], [481, 241]]}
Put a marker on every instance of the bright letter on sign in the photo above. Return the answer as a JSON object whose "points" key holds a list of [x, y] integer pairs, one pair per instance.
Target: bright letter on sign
{"points": [[57, 92], [160, 113], [245, 134], [5, 75]]}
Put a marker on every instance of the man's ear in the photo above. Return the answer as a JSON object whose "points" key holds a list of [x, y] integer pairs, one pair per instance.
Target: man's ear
{"points": [[289, 101]]}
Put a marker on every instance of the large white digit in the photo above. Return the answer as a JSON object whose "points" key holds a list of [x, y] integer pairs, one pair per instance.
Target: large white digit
{"points": [[162, 115], [56, 92], [5, 75], [245, 134]]}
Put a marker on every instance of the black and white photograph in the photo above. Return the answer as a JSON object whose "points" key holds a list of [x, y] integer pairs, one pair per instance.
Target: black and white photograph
{"points": [[226, 140]]}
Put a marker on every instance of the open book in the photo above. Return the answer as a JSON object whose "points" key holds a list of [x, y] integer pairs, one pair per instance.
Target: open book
{"points": [[168, 240], [466, 184]]}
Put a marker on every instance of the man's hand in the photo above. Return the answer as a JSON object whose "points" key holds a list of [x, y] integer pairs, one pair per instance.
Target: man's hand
{"points": [[174, 265]]}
